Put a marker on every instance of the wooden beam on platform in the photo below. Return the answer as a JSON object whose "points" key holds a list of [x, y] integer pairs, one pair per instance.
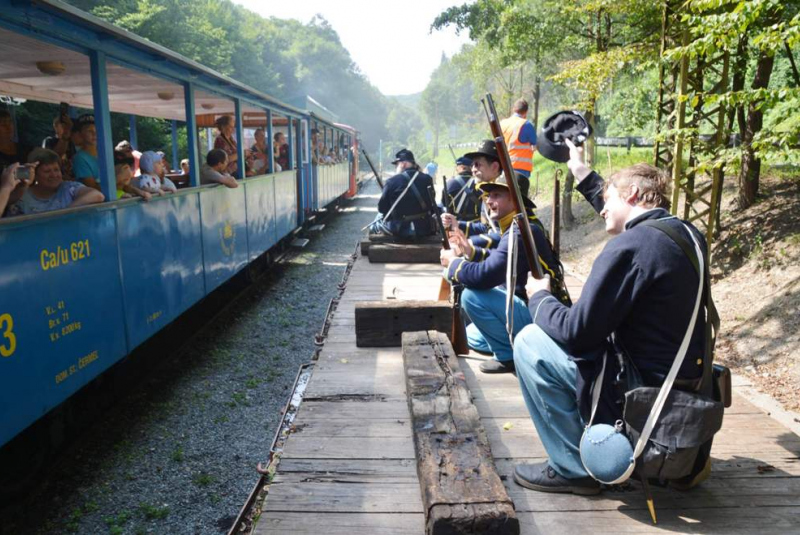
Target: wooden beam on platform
{"points": [[461, 490], [382, 323], [405, 253]]}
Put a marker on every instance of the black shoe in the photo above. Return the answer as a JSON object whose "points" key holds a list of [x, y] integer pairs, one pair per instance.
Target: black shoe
{"points": [[497, 366], [543, 478]]}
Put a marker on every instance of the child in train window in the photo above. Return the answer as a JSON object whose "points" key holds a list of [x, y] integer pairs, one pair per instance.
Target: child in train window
{"points": [[123, 170], [151, 166]]}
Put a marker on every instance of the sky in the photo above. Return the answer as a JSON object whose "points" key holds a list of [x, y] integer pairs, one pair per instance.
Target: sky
{"points": [[383, 37]]}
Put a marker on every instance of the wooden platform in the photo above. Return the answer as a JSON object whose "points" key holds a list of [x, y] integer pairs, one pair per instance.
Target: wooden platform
{"points": [[349, 468]]}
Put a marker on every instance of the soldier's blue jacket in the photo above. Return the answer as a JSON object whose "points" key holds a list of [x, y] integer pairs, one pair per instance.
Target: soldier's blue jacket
{"points": [[467, 196], [489, 271], [642, 288], [409, 209]]}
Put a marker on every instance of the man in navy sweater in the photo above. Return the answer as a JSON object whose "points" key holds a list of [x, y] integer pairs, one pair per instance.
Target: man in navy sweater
{"points": [[641, 289]]}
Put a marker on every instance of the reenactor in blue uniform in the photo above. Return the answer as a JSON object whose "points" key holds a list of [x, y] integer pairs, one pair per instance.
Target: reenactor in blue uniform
{"points": [[464, 198], [482, 271], [404, 209], [641, 290]]}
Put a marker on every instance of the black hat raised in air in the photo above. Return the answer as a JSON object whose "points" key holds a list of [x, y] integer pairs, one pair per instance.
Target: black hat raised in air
{"points": [[558, 127], [487, 149], [403, 155]]}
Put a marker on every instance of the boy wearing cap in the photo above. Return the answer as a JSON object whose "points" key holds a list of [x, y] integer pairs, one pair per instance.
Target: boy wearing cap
{"points": [[405, 208], [641, 291], [485, 295]]}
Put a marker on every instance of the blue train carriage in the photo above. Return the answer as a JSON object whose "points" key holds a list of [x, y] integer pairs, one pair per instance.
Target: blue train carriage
{"points": [[81, 288]]}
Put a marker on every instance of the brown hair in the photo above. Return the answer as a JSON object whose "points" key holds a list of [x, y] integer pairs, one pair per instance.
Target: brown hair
{"points": [[521, 106], [223, 121], [652, 183]]}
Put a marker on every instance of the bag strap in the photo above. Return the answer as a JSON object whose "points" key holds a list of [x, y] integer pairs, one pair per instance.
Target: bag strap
{"points": [[511, 279], [400, 197], [661, 399], [712, 316], [658, 405], [462, 195]]}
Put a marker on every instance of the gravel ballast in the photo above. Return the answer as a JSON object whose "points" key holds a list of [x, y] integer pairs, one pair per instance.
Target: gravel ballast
{"points": [[177, 455]]}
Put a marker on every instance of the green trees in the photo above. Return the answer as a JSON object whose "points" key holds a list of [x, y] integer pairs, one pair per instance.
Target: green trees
{"points": [[284, 58]]}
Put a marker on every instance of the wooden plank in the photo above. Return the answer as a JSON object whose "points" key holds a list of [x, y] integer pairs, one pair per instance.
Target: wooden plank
{"points": [[339, 524], [712, 521], [382, 323], [410, 253], [461, 490], [366, 243], [389, 409]]}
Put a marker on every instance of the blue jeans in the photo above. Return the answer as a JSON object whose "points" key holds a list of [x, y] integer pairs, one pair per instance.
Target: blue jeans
{"points": [[487, 310], [547, 378]]}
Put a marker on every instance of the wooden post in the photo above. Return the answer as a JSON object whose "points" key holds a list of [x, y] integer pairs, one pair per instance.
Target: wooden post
{"points": [[555, 225], [382, 323], [461, 490]]}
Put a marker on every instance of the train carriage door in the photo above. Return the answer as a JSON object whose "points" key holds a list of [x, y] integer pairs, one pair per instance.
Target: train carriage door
{"points": [[304, 201]]}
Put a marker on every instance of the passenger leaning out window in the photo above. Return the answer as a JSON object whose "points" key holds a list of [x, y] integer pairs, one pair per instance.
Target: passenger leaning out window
{"points": [[45, 190]]}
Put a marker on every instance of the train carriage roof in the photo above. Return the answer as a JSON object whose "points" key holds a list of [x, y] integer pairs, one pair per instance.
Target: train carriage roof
{"points": [[42, 37]]}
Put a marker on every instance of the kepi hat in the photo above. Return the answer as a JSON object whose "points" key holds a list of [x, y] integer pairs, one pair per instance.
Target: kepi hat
{"points": [[487, 149], [403, 155], [464, 161], [501, 182], [558, 127]]}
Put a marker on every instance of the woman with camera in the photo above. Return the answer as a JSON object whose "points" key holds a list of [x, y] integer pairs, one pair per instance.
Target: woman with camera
{"points": [[38, 187]]}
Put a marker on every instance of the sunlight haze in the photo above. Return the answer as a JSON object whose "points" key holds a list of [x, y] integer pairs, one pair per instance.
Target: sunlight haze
{"points": [[391, 43]]}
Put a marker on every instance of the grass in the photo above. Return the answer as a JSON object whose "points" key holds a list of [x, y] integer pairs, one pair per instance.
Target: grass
{"points": [[203, 479], [154, 512], [177, 454]]}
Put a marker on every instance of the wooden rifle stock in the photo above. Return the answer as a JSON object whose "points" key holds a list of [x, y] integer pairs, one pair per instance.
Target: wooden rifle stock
{"points": [[458, 334], [374, 171], [446, 199], [555, 227], [528, 244]]}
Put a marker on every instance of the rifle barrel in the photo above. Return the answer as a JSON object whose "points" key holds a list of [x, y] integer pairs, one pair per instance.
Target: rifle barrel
{"points": [[528, 243], [369, 162]]}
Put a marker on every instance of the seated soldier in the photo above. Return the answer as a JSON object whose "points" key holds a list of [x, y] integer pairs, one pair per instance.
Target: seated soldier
{"points": [[47, 191], [214, 170], [484, 296], [642, 289], [485, 236], [464, 198], [405, 209]]}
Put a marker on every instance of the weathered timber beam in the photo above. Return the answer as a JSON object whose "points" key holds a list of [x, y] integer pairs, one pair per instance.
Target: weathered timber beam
{"points": [[405, 253], [461, 490], [382, 323]]}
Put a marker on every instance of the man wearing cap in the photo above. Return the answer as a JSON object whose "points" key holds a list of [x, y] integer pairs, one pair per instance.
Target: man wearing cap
{"points": [[84, 164], [465, 200], [520, 138], [405, 208], [485, 294], [641, 291]]}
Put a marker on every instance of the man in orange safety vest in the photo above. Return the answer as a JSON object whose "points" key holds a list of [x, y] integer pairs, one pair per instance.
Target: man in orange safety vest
{"points": [[520, 137]]}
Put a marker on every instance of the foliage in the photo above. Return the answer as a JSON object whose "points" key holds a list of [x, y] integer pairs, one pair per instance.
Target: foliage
{"points": [[283, 58]]}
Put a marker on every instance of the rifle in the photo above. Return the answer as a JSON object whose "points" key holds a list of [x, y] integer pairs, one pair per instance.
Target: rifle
{"points": [[531, 254], [458, 332], [369, 162], [446, 199], [449, 146]]}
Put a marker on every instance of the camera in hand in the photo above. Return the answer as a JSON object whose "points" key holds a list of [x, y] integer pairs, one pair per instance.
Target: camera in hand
{"points": [[23, 173]]}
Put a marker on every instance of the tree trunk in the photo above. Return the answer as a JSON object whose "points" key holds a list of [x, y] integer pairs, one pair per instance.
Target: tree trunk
{"points": [[751, 165], [436, 132], [537, 91]]}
